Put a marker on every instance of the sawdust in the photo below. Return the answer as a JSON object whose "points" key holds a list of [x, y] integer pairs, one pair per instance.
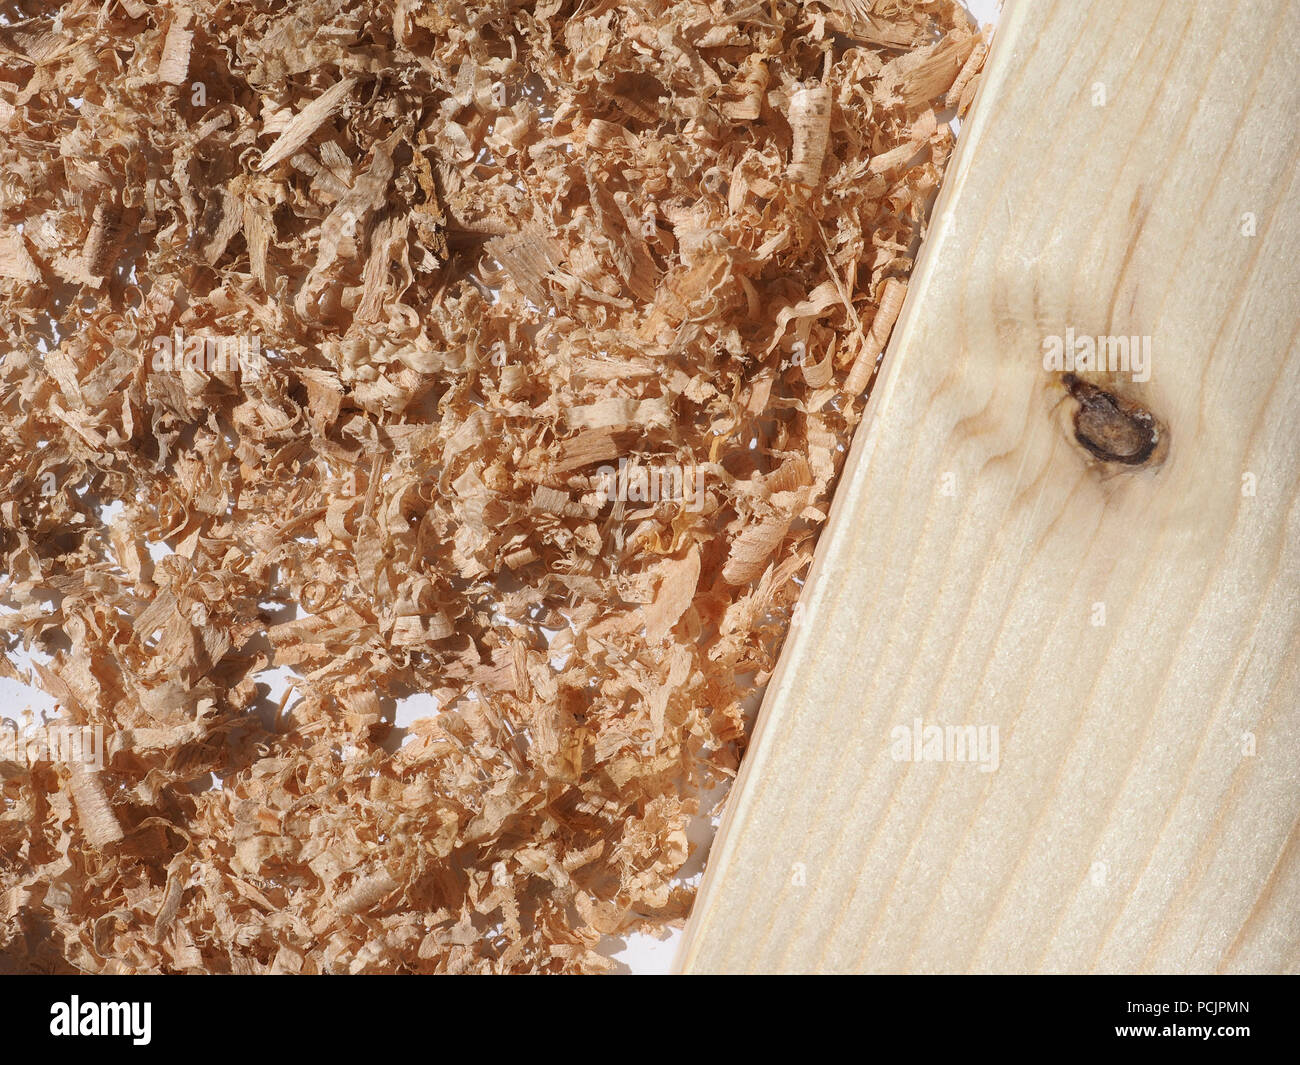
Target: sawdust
{"points": [[501, 353]]}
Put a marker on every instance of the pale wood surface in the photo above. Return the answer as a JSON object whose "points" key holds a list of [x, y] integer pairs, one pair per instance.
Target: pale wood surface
{"points": [[1125, 829]]}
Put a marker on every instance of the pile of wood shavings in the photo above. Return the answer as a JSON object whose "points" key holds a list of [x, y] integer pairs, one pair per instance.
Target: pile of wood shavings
{"points": [[486, 251]]}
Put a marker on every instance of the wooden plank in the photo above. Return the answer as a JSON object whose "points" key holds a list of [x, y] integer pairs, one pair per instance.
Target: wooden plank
{"points": [[1129, 629]]}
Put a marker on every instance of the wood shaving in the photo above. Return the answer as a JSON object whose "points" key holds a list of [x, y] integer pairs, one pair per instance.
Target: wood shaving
{"points": [[462, 269]]}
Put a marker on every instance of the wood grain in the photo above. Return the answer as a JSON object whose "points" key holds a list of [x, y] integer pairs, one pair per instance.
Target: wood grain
{"points": [[1130, 630]]}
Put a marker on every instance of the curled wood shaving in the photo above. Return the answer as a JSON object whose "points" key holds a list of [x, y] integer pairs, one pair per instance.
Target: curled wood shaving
{"points": [[882, 325], [810, 119], [329, 329]]}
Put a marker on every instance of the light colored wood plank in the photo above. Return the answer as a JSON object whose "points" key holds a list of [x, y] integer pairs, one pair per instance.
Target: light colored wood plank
{"points": [[1127, 826]]}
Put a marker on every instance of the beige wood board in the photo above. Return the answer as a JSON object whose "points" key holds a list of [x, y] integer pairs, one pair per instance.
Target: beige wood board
{"points": [[1131, 631]]}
